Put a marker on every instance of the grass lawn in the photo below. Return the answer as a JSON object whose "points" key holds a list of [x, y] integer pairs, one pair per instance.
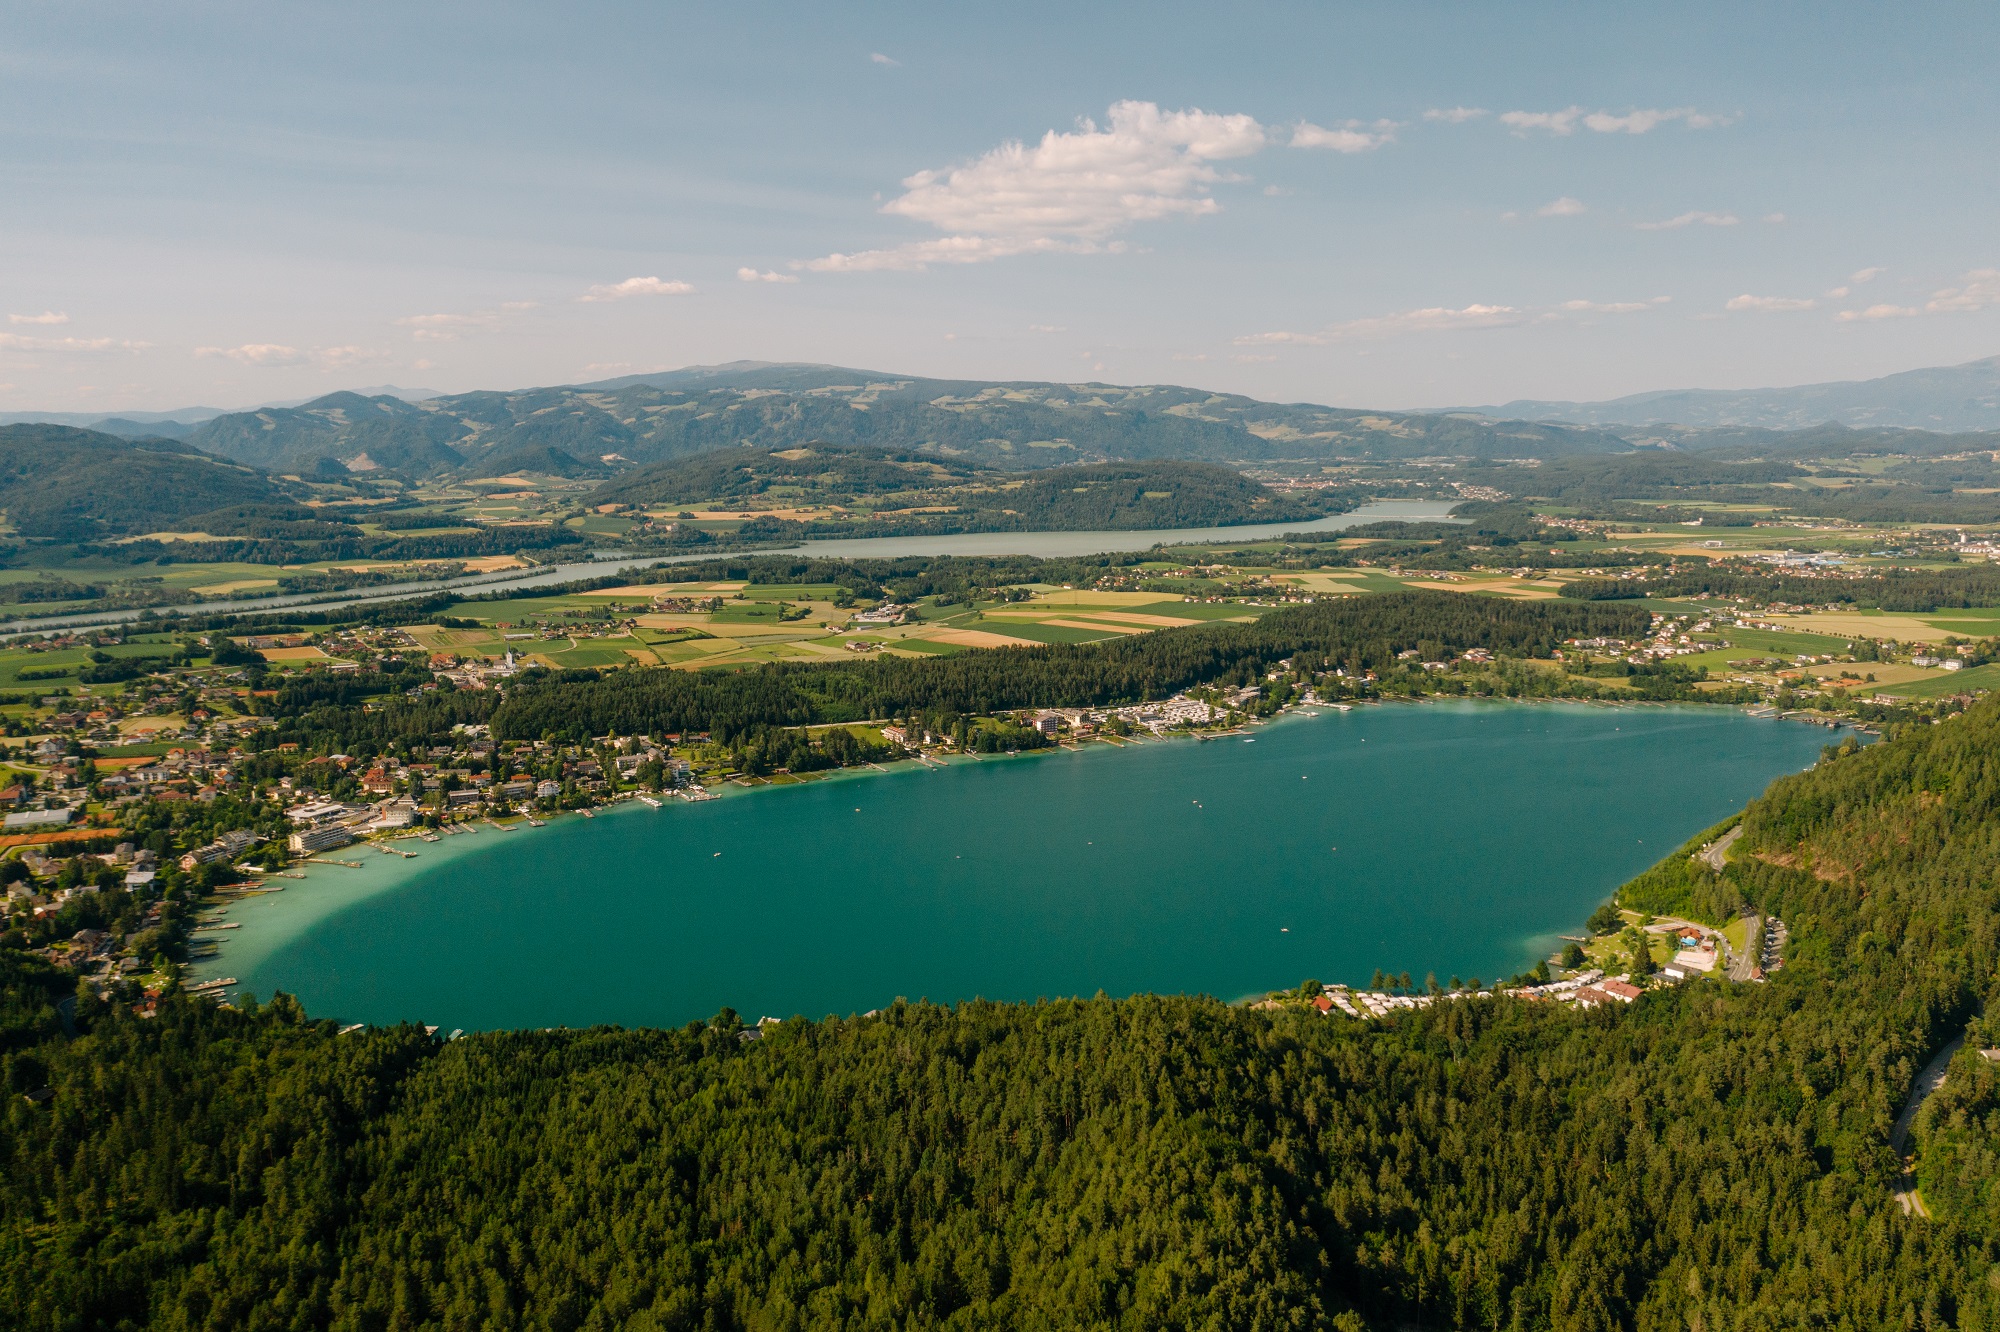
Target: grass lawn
{"points": [[933, 648]]}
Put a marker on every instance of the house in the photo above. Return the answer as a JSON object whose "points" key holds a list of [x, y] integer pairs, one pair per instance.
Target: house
{"points": [[139, 878], [1621, 991], [1591, 997], [518, 789], [895, 735], [1048, 724], [547, 790], [1324, 1004], [460, 799]]}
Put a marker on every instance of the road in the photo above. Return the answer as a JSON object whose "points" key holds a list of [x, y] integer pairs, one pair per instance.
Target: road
{"points": [[1715, 853], [1928, 1081], [1743, 964]]}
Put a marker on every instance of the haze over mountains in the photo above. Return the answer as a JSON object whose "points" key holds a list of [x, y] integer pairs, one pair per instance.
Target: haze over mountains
{"points": [[1943, 398]]}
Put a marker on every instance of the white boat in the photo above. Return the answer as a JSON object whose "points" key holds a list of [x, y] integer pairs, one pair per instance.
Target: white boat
{"points": [[646, 799]]}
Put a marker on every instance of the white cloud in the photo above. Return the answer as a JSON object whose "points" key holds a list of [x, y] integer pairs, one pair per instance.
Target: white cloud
{"points": [[340, 358], [1774, 218], [1455, 115], [1433, 319], [445, 327], [1689, 220], [23, 342], [1071, 193], [752, 275], [1555, 122], [1563, 207], [1047, 328], [257, 353], [1442, 319], [636, 286], [1644, 121], [1767, 304], [1609, 307], [1981, 289], [1352, 136], [513, 306], [45, 317], [1836, 293], [876, 57], [1876, 312], [1866, 275]]}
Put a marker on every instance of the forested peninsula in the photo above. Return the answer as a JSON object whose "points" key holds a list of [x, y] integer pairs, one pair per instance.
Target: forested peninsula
{"points": [[1714, 1156]]}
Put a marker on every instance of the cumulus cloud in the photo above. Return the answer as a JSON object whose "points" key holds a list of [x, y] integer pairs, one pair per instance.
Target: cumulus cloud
{"points": [[257, 353], [636, 286], [752, 275], [1455, 115], [1865, 275], [876, 57], [1073, 192], [1981, 288], [1352, 136], [1643, 121], [45, 317], [1563, 207], [1876, 312], [1691, 220], [1767, 304]]}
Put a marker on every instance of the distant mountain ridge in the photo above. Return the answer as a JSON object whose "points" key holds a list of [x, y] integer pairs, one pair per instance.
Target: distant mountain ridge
{"points": [[1941, 398], [607, 427]]}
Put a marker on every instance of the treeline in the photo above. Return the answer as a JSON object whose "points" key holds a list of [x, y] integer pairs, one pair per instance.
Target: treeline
{"points": [[1357, 635], [1890, 589], [1712, 1157], [358, 546]]}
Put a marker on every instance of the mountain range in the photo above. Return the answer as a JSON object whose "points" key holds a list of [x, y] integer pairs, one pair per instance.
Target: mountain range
{"points": [[1940, 398], [603, 428]]}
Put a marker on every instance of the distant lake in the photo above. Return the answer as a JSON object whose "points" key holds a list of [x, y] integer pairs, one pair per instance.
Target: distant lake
{"points": [[1452, 837], [1045, 544]]}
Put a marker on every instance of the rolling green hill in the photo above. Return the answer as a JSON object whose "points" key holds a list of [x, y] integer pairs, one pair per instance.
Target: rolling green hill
{"points": [[873, 484], [78, 485]]}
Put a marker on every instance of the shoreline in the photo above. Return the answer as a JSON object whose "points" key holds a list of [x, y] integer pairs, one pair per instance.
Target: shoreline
{"points": [[271, 921]]}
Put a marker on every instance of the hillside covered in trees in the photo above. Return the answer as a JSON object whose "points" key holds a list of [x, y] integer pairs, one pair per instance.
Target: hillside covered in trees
{"points": [[871, 488], [1714, 1156]]}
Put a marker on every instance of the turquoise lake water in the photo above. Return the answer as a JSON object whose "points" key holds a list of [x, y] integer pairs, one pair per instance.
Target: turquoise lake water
{"points": [[1455, 838]]}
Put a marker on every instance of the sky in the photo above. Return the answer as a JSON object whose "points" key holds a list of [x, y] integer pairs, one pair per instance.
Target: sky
{"points": [[1387, 205]]}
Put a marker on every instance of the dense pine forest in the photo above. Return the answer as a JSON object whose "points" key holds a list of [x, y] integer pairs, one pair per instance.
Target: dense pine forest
{"points": [[1715, 1156]]}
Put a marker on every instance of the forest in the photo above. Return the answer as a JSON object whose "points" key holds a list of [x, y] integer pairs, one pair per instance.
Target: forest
{"points": [[933, 494], [1713, 1157]]}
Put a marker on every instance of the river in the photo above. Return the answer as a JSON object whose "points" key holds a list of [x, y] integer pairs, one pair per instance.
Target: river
{"points": [[1448, 837], [1047, 544]]}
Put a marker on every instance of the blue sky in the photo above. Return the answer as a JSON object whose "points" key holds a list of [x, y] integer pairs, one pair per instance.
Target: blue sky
{"points": [[1387, 205]]}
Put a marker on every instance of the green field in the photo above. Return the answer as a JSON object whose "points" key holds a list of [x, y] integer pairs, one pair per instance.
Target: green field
{"points": [[1046, 633], [1957, 682]]}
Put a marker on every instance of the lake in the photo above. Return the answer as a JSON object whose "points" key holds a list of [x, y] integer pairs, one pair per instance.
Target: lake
{"points": [[1458, 838]]}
